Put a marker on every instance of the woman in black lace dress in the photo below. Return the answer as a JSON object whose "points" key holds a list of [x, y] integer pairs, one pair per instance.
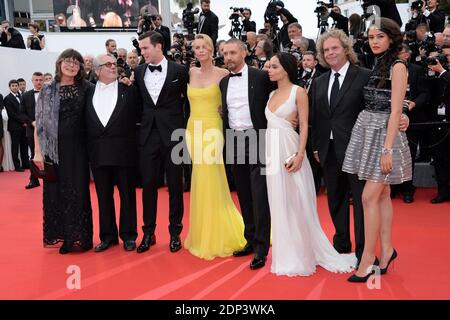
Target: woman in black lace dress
{"points": [[378, 152], [60, 138]]}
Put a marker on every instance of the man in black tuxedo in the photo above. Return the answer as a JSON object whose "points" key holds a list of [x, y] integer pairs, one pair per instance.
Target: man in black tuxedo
{"points": [[435, 17], [158, 27], [111, 113], [16, 126], [244, 97], [208, 22], [418, 96], [162, 85], [28, 105], [333, 118]]}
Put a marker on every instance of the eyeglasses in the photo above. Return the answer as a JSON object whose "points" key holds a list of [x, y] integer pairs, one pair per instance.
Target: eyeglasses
{"points": [[109, 64], [71, 61]]}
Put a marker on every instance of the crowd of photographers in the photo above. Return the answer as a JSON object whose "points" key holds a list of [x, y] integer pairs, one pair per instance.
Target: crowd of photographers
{"points": [[426, 48]]}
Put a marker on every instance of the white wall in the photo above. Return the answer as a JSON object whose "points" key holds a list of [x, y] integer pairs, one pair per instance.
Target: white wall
{"points": [[18, 63]]}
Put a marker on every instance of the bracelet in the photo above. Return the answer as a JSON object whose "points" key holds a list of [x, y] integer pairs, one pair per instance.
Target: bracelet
{"points": [[387, 152]]}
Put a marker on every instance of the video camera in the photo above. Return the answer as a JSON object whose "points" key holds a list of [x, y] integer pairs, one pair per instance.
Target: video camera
{"points": [[322, 7], [271, 13], [123, 69], [189, 18], [148, 20], [417, 5]]}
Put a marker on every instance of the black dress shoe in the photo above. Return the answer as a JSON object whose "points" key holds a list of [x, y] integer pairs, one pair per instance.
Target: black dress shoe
{"points": [[355, 278], [129, 245], [247, 250], [440, 199], [66, 247], [32, 184], [408, 198], [147, 241], [105, 245], [19, 170], [257, 262], [175, 243]]}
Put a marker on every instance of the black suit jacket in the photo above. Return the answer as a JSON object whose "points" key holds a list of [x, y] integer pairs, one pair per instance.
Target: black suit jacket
{"points": [[168, 114], [436, 20], [115, 144], [16, 40], [350, 102], [15, 118], [259, 88], [388, 9], [418, 92], [210, 26], [28, 109]]}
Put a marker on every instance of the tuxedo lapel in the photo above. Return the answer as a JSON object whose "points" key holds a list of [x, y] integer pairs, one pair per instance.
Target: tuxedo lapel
{"points": [[169, 77], [323, 87], [121, 97], [251, 89], [95, 120], [349, 78], [141, 80]]}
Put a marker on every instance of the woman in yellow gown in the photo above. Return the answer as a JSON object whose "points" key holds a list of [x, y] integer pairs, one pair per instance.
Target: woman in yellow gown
{"points": [[216, 227]]}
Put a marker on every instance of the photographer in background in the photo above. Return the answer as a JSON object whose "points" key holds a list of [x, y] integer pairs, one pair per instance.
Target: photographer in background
{"points": [[388, 9], [294, 32], [111, 46], [154, 23], [263, 52], [435, 17], [417, 96], [440, 107], [35, 41], [10, 37], [287, 18], [208, 22], [247, 24], [340, 21]]}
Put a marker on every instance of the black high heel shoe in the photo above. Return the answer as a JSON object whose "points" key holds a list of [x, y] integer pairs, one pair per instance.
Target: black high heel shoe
{"points": [[394, 255], [355, 278]]}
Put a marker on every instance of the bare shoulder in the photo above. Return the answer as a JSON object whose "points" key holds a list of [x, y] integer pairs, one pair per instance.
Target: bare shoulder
{"points": [[301, 92], [221, 73]]}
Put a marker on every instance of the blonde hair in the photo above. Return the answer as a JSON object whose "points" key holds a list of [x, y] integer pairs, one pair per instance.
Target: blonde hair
{"points": [[207, 39], [112, 20], [345, 42]]}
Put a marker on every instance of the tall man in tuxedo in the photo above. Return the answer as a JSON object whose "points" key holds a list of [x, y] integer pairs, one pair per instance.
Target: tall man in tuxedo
{"points": [[28, 104], [111, 113], [208, 22], [16, 127], [162, 85], [244, 97]]}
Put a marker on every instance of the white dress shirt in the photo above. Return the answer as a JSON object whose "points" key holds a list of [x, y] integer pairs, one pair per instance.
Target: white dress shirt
{"points": [[36, 95], [238, 104], [342, 72], [105, 100], [16, 96], [154, 81]]}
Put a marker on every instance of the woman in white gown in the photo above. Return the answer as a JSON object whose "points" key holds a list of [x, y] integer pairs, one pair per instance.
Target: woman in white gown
{"points": [[298, 241]]}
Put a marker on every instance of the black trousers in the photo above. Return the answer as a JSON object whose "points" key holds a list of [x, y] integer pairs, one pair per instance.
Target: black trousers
{"points": [[152, 155], [340, 185], [105, 177], [19, 141], [441, 157], [251, 187], [30, 140]]}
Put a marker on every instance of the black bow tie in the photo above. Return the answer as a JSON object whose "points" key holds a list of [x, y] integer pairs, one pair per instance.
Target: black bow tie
{"points": [[35, 91], [153, 68], [239, 74]]}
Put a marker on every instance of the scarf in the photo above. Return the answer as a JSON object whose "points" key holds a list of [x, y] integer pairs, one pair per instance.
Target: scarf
{"points": [[47, 116]]}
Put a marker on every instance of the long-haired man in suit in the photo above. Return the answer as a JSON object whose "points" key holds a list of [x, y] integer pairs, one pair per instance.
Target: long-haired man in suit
{"points": [[162, 86]]}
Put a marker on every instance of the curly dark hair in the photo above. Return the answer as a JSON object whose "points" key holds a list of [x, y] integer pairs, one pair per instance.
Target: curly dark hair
{"points": [[392, 29], [70, 53], [289, 64]]}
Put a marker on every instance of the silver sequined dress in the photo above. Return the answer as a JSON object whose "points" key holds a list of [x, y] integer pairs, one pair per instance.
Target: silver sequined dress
{"points": [[369, 132]]}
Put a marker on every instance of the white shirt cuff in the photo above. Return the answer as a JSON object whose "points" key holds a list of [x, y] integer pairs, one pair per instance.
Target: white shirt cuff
{"points": [[426, 13]]}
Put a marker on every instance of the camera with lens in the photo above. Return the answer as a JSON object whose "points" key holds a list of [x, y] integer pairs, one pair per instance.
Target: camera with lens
{"points": [[441, 58], [417, 5], [189, 17], [148, 18], [123, 69], [219, 61], [235, 14], [322, 7], [271, 13], [429, 44]]}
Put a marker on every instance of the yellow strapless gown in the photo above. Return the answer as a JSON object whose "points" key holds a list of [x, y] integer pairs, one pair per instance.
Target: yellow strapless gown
{"points": [[216, 228]]}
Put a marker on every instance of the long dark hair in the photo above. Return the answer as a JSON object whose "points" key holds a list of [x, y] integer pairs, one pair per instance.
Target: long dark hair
{"points": [[392, 29], [74, 54], [289, 64]]}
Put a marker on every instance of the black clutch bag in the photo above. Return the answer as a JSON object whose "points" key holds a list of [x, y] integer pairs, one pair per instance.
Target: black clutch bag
{"points": [[48, 174]]}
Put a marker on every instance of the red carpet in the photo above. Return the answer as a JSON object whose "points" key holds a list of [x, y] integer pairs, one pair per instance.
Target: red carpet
{"points": [[421, 234]]}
